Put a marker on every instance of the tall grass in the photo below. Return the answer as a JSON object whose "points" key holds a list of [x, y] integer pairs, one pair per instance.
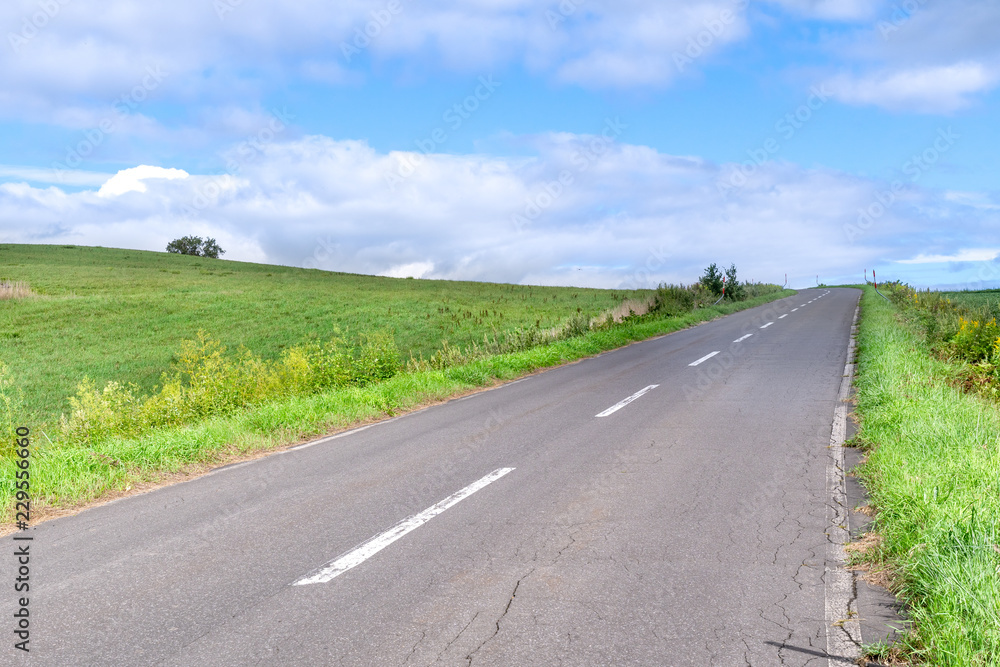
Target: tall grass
{"points": [[14, 289], [933, 474], [208, 382]]}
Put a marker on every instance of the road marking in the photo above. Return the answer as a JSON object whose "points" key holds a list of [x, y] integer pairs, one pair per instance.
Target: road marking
{"points": [[705, 358], [366, 550], [794, 309], [742, 338], [767, 325], [332, 437], [781, 317], [803, 305], [621, 404]]}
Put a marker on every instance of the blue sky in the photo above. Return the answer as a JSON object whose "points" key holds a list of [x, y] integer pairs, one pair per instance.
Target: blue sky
{"points": [[609, 144]]}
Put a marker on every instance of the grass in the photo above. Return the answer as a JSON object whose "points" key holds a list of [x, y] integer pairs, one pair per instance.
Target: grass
{"points": [[14, 289], [112, 314], [933, 474], [69, 472]]}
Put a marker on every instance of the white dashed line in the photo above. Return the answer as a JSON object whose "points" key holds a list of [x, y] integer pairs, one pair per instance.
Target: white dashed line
{"points": [[363, 552], [767, 325], [742, 338], [621, 404], [794, 309], [705, 358], [781, 317]]}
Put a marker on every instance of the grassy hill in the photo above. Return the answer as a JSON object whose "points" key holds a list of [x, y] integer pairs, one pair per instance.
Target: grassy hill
{"points": [[112, 314]]}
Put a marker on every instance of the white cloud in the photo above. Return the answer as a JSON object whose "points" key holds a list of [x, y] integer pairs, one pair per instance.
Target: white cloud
{"points": [[624, 215], [977, 200], [939, 89], [134, 179], [972, 255], [917, 56], [102, 49], [411, 270]]}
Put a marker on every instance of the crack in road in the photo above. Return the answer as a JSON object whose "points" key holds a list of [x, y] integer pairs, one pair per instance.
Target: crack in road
{"points": [[513, 595]]}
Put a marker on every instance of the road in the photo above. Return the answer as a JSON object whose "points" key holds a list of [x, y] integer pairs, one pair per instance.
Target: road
{"points": [[687, 526]]}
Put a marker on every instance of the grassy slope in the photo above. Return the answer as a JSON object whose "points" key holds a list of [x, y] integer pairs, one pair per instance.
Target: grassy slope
{"points": [[120, 314], [933, 473]]}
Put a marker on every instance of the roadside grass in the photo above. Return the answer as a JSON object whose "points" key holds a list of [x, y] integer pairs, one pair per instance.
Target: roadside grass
{"points": [[932, 471], [68, 473], [108, 314]]}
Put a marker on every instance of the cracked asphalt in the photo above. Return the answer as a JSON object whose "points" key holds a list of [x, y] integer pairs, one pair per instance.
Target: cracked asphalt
{"points": [[687, 528]]}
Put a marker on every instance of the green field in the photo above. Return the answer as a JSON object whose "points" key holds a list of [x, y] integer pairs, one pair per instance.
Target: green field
{"points": [[988, 299], [121, 315]]}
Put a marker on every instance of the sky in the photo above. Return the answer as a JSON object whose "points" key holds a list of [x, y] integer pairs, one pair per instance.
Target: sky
{"points": [[615, 144]]}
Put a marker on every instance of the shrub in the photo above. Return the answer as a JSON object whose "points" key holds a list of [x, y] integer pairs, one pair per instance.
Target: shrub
{"points": [[975, 340], [671, 300], [734, 290], [378, 359], [206, 381], [712, 279]]}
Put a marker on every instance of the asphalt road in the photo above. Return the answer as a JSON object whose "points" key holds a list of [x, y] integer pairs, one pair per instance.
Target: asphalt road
{"points": [[687, 527]]}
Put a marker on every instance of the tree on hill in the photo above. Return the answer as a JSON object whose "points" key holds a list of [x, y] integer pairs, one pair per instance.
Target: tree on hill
{"points": [[712, 279], [734, 290], [197, 246]]}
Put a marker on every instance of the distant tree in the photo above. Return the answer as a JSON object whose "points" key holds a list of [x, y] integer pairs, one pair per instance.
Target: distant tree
{"points": [[195, 245], [734, 290], [209, 248], [712, 279], [186, 245]]}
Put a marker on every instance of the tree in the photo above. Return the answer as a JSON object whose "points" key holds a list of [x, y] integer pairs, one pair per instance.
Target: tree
{"points": [[209, 248], [195, 245], [712, 279], [734, 290]]}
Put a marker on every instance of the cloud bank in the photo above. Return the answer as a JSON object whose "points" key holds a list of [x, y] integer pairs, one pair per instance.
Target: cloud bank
{"points": [[582, 210]]}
